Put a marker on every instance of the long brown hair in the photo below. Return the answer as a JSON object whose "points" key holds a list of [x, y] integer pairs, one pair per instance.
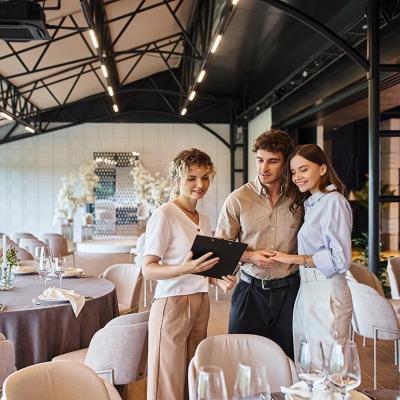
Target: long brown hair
{"points": [[315, 154]]}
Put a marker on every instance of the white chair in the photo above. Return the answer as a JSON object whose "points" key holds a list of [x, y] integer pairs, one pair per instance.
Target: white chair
{"points": [[393, 270], [61, 380], [16, 236], [118, 351], [7, 359], [128, 281], [30, 245], [374, 318], [227, 351]]}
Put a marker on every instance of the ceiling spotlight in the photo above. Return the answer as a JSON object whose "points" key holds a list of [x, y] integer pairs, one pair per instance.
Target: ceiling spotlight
{"points": [[29, 129], [201, 75], [234, 2], [305, 74], [183, 111], [6, 116], [94, 39], [110, 91], [115, 107], [104, 71], [192, 95], [216, 43]]}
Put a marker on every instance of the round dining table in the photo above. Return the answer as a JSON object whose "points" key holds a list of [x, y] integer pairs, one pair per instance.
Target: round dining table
{"points": [[41, 331]]}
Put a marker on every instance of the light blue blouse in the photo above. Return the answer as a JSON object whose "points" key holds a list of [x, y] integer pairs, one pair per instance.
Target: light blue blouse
{"points": [[326, 232]]}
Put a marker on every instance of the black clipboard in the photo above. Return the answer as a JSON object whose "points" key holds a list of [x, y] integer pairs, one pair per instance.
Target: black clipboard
{"points": [[228, 251]]}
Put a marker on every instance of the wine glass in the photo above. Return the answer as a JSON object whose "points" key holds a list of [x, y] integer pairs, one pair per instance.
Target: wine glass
{"points": [[260, 388], [251, 383], [344, 370], [242, 387], [211, 383], [60, 267], [311, 363], [43, 270]]}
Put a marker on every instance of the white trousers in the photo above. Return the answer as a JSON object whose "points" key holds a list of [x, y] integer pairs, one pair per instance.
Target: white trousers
{"points": [[323, 309]]}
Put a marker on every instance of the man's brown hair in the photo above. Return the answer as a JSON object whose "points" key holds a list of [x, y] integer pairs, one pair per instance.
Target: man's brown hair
{"points": [[275, 141]]}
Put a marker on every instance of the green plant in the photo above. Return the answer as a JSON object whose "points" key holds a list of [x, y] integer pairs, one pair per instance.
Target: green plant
{"points": [[362, 194], [12, 258]]}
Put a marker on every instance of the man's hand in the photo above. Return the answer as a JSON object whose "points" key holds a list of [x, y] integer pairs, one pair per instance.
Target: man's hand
{"points": [[260, 258], [282, 257], [226, 283]]}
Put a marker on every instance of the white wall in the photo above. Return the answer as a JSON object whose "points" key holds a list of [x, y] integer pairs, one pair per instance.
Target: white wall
{"points": [[257, 126], [31, 169]]}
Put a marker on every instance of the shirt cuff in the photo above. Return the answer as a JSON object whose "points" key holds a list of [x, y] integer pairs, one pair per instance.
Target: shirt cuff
{"points": [[323, 262]]}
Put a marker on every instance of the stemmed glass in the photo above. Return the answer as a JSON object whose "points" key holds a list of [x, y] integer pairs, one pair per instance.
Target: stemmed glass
{"points": [[311, 363], [43, 270], [251, 383], [344, 367], [211, 383], [60, 269]]}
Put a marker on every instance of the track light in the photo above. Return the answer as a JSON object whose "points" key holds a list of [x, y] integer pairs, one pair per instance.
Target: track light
{"points": [[29, 129], [183, 111], [201, 75], [94, 39], [110, 91], [104, 71], [192, 95], [234, 2], [6, 116], [216, 43], [115, 107]]}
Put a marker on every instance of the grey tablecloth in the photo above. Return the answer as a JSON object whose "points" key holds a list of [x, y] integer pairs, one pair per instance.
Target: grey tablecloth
{"points": [[40, 332]]}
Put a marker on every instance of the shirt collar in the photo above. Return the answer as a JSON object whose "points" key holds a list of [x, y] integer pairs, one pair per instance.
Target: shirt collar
{"points": [[318, 196], [261, 190]]}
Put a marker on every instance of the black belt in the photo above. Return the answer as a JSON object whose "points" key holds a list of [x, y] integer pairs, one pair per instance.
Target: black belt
{"points": [[267, 284]]}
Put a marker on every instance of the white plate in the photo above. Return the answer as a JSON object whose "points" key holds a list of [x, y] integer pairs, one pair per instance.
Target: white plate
{"points": [[25, 270], [51, 300], [354, 395], [72, 272]]}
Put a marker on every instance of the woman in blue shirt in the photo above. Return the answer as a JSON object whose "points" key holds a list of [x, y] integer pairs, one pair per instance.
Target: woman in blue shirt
{"points": [[323, 306]]}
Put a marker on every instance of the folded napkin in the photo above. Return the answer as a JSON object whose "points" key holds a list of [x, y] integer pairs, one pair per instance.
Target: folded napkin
{"points": [[24, 268], [77, 301], [299, 391]]}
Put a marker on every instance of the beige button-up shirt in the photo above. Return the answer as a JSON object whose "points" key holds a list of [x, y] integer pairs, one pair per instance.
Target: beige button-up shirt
{"points": [[248, 216]]}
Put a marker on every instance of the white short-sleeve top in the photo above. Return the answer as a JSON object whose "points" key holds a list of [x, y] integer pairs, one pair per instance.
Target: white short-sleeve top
{"points": [[169, 235]]}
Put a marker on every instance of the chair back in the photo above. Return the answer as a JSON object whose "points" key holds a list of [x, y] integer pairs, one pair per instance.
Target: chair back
{"points": [[371, 310], [58, 244], [31, 244], [362, 275], [16, 236], [252, 350], [7, 357], [121, 346], [393, 270], [128, 281], [61, 380], [23, 255]]}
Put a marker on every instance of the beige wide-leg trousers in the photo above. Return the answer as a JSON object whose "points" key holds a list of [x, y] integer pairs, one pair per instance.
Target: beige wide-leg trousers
{"points": [[177, 325]]}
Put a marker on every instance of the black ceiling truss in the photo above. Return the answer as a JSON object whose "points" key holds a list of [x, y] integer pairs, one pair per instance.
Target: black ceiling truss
{"points": [[75, 70], [353, 36]]}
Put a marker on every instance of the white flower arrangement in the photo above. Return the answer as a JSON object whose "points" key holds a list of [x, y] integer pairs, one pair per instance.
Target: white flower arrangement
{"points": [[150, 190], [76, 191]]}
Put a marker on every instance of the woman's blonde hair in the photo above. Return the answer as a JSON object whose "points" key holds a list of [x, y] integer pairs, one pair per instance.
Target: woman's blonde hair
{"points": [[183, 161]]}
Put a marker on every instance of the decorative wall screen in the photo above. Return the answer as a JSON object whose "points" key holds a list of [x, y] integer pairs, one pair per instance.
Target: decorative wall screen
{"points": [[114, 208]]}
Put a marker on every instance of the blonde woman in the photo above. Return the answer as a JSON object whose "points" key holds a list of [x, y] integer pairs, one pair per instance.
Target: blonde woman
{"points": [[180, 309]]}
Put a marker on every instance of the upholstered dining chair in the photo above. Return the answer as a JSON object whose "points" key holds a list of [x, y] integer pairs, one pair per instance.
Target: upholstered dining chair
{"points": [[252, 350], [30, 245], [393, 270], [61, 380], [128, 281], [117, 352], [362, 275], [16, 236], [374, 317], [58, 245], [24, 255], [7, 359]]}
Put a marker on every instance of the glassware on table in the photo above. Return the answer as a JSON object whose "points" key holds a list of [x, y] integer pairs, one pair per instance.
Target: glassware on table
{"points": [[251, 383], [344, 371], [60, 267], [311, 363], [43, 270], [211, 383]]}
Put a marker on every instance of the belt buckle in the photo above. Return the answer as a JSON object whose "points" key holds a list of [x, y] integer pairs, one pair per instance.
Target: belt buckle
{"points": [[262, 284]]}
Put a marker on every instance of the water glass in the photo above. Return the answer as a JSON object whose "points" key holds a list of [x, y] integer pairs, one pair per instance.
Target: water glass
{"points": [[211, 383], [344, 367], [311, 363], [242, 387], [60, 269], [43, 270], [251, 383]]}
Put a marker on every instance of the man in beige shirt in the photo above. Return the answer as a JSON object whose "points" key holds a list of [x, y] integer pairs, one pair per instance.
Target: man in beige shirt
{"points": [[258, 214]]}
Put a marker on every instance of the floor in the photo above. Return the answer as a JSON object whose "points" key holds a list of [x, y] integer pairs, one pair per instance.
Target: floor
{"points": [[388, 374]]}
